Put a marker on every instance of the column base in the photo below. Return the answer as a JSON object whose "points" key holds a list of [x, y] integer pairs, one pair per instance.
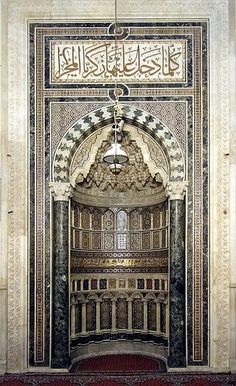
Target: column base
{"points": [[3, 367], [197, 369], [177, 361], [232, 365], [47, 370], [58, 365]]}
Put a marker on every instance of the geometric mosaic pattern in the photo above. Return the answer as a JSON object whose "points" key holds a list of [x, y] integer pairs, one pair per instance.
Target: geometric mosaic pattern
{"points": [[103, 116], [171, 113]]}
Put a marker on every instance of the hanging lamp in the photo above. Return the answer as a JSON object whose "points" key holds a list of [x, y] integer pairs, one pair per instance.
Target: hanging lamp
{"points": [[115, 156]]}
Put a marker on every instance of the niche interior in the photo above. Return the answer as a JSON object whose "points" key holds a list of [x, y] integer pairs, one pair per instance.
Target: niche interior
{"points": [[119, 248]]}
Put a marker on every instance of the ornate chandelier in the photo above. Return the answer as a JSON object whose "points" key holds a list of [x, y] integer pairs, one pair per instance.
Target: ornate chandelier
{"points": [[115, 156]]}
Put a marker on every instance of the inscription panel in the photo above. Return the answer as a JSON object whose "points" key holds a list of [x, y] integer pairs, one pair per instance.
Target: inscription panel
{"points": [[151, 61]]}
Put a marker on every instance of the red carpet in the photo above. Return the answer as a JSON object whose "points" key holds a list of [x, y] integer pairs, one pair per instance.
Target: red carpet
{"points": [[111, 379], [119, 370], [119, 363]]}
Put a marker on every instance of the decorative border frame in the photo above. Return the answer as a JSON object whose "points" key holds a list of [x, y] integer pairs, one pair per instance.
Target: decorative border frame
{"points": [[51, 51], [41, 33]]}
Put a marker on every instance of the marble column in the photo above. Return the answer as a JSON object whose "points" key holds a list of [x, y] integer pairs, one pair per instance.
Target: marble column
{"points": [[130, 314], [84, 317], [177, 326], [60, 277], [72, 317], [145, 315], [167, 317], [98, 315], [158, 316], [113, 314]]}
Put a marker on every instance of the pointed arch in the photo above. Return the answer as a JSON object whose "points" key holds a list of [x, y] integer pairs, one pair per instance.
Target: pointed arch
{"points": [[99, 118]]}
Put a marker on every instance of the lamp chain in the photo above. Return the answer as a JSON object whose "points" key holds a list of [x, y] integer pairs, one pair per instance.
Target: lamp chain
{"points": [[116, 93]]}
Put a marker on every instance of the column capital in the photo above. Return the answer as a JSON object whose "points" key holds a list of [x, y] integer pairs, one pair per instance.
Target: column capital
{"points": [[176, 190], [160, 298], [61, 191], [73, 301]]}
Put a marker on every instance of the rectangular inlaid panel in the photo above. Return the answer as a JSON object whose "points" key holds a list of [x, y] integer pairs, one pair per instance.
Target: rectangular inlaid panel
{"points": [[121, 241], [135, 241], [146, 242], [96, 240], [109, 241], [77, 239], [85, 240], [156, 239]]}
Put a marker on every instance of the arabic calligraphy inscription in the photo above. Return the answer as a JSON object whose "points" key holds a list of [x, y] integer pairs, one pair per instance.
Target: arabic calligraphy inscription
{"points": [[150, 61]]}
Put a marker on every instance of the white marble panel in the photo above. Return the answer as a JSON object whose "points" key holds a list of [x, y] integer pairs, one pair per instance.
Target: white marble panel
{"points": [[232, 181], [3, 189]]}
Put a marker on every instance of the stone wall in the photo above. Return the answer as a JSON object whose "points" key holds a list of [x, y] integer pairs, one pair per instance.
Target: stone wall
{"points": [[16, 129]]}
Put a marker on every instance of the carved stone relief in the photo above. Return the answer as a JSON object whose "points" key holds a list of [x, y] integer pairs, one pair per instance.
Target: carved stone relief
{"points": [[135, 175], [145, 172]]}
